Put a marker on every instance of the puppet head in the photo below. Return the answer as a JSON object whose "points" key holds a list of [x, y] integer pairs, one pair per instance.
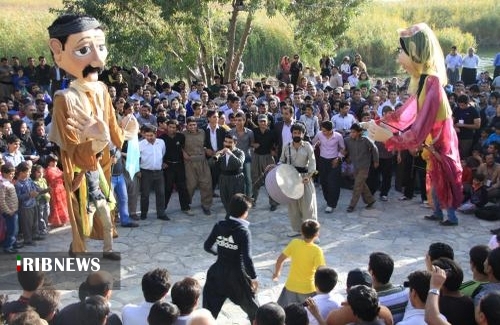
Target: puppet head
{"points": [[421, 52], [78, 45]]}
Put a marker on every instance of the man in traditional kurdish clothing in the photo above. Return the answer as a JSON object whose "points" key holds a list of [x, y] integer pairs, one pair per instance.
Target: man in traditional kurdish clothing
{"points": [[84, 122]]}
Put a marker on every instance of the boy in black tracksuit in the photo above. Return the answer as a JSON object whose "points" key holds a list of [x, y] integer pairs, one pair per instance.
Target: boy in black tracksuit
{"points": [[233, 274]]}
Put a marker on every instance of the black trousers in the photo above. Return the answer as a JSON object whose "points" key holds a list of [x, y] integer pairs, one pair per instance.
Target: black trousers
{"points": [[224, 281], [152, 179], [329, 179], [175, 174], [385, 168]]}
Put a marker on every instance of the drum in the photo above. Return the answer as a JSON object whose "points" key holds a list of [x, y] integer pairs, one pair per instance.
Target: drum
{"points": [[284, 184]]}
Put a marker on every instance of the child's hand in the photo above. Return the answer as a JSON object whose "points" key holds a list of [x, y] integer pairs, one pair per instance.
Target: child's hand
{"points": [[33, 194], [276, 276]]}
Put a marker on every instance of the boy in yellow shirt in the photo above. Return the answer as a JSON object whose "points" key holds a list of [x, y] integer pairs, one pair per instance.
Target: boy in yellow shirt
{"points": [[305, 257]]}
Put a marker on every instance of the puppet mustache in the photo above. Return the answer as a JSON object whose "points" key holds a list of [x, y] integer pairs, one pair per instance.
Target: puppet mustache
{"points": [[90, 69]]}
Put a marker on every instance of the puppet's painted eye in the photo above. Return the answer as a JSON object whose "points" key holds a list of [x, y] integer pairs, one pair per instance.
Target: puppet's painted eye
{"points": [[102, 47], [85, 50]]}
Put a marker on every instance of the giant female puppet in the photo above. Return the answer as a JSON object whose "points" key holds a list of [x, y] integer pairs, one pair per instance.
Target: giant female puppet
{"points": [[426, 118], [83, 122]]}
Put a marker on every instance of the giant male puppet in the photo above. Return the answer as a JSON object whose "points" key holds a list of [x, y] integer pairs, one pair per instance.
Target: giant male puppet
{"points": [[426, 118], [84, 122]]}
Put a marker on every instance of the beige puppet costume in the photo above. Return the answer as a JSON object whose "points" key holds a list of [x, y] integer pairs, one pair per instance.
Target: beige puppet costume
{"points": [[83, 121]]}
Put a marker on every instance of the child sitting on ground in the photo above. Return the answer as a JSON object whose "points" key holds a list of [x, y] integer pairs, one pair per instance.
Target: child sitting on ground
{"points": [[477, 197], [305, 257]]}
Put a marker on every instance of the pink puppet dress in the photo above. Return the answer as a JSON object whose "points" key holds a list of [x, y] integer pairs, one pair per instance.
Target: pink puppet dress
{"points": [[426, 117]]}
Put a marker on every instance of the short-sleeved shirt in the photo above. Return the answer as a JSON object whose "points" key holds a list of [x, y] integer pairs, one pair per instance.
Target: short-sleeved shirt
{"points": [[306, 258], [468, 115]]}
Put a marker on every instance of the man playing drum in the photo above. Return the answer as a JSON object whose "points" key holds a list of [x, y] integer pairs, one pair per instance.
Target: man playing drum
{"points": [[300, 154]]}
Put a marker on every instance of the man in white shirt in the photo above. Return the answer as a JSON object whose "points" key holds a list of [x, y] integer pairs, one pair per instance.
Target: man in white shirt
{"points": [[343, 120], [152, 151], [470, 63], [155, 285], [453, 63], [419, 284]]}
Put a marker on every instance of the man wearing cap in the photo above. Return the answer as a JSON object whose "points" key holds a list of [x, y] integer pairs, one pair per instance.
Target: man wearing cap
{"points": [[453, 63], [362, 153], [263, 109], [264, 142], [84, 121]]}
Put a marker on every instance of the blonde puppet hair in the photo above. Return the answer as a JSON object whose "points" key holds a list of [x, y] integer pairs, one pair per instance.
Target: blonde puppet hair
{"points": [[422, 47]]}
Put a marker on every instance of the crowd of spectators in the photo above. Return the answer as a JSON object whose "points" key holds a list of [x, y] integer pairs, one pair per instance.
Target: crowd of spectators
{"points": [[340, 95]]}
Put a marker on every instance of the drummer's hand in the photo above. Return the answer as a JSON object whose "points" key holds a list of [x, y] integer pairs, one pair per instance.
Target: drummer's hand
{"points": [[306, 179], [269, 167]]}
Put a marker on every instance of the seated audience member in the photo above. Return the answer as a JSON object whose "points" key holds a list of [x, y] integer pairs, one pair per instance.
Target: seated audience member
{"points": [[94, 310], [476, 197], [418, 282], [489, 309], [163, 313], [202, 317], [296, 314], [438, 250], [325, 280], [270, 314], [155, 285], [457, 308], [185, 295], [477, 255], [45, 302], [27, 317], [365, 306], [30, 281], [492, 269], [98, 283], [344, 315], [393, 297]]}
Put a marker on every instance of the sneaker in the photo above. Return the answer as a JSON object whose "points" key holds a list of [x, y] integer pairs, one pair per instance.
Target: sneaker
{"points": [[328, 210], [130, 225], [18, 245], [384, 198], [293, 234], [111, 256], [207, 211], [188, 212], [10, 250], [495, 231], [433, 218], [448, 223], [404, 198]]}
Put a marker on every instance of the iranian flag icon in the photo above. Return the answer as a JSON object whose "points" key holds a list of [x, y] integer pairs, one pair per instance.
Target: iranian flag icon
{"points": [[18, 263]]}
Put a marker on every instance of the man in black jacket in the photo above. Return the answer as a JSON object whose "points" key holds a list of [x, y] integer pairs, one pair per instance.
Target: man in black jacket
{"points": [[234, 263]]}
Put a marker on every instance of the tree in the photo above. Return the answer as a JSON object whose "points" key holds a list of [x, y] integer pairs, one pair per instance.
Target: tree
{"points": [[191, 34]]}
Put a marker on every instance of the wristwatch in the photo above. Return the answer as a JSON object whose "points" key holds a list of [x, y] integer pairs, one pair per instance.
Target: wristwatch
{"points": [[434, 291]]}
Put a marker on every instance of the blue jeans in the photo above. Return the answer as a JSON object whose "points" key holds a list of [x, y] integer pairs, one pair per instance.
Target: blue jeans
{"points": [[437, 209], [120, 188], [12, 230]]}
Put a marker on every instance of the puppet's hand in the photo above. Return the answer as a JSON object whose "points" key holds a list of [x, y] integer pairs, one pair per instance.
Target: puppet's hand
{"points": [[89, 127], [130, 126], [378, 133]]}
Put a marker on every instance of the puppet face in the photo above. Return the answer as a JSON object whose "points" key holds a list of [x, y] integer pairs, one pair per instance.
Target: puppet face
{"points": [[83, 55]]}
